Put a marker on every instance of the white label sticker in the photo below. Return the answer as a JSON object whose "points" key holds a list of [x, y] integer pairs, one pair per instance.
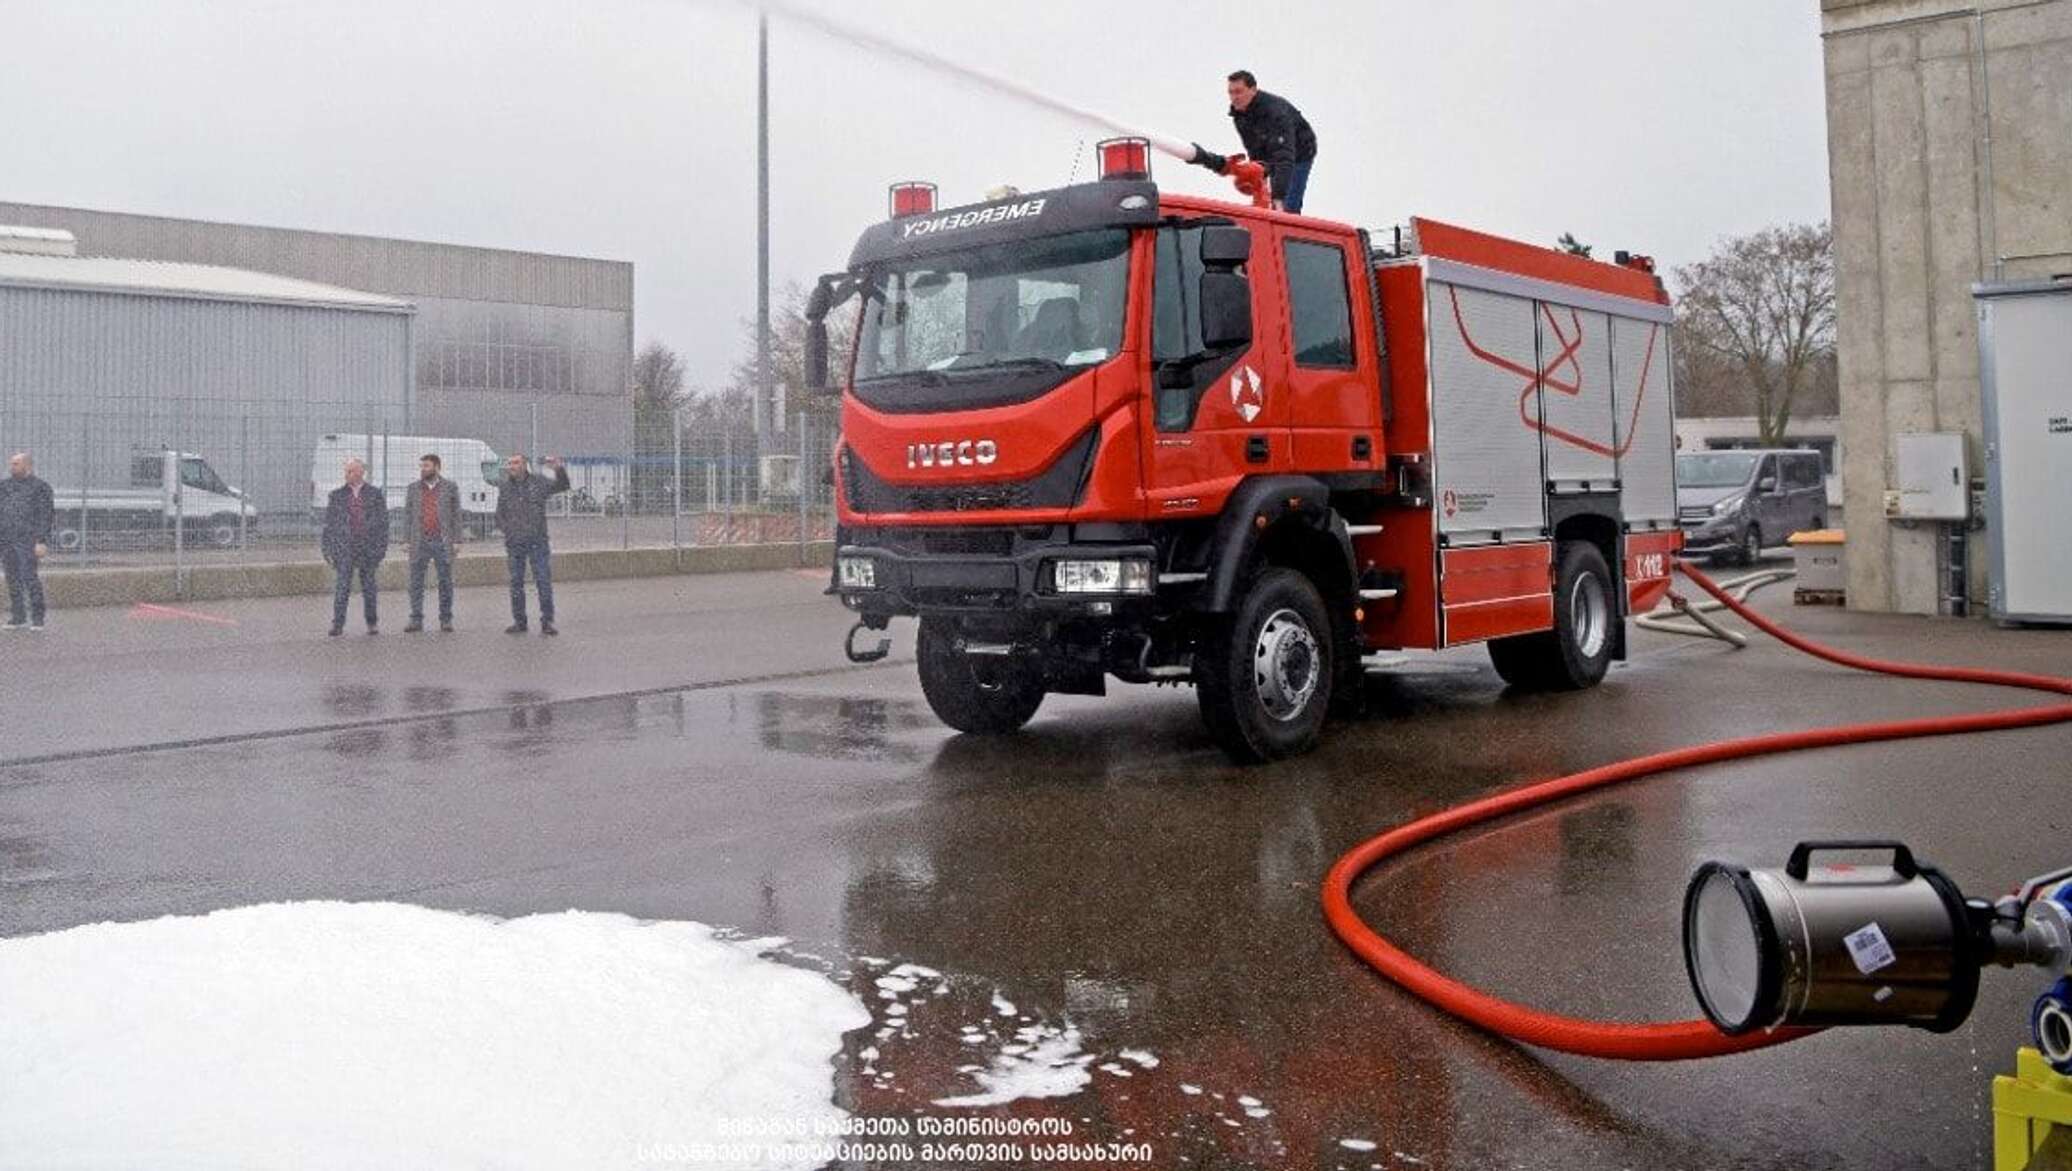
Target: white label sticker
{"points": [[1869, 948]]}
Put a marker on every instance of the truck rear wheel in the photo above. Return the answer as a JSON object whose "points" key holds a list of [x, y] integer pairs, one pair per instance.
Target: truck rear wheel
{"points": [[1264, 676], [980, 694], [1578, 651]]}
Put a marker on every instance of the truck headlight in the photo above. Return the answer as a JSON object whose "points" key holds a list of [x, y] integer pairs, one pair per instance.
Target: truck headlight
{"points": [[858, 573], [1112, 575]]}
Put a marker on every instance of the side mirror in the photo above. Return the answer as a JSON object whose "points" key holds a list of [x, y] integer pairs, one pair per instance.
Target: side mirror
{"points": [[1226, 309], [816, 352], [820, 300], [1225, 246], [1766, 484]]}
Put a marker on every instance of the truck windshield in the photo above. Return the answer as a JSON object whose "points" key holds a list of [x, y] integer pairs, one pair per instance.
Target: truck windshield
{"points": [[1051, 301], [1723, 469], [196, 473]]}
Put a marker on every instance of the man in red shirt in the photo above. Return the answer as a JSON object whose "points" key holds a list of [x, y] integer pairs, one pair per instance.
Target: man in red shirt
{"points": [[432, 520], [355, 541]]}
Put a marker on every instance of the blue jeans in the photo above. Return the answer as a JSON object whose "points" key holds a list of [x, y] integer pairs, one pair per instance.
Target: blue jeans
{"points": [[436, 551], [1298, 184], [18, 562], [365, 568], [536, 554]]}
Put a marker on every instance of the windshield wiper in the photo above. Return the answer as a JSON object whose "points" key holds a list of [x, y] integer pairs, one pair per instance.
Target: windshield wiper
{"points": [[1029, 362], [922, 375]]}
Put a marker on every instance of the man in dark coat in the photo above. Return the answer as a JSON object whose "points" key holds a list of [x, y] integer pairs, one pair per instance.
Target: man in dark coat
{"points": [[1276, 134], [27, 515], [521, 512], [356, 537]]}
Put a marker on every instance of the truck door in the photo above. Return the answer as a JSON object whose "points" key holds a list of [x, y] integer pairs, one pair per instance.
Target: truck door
{"points": [[1331, 380], [1218, 411]]}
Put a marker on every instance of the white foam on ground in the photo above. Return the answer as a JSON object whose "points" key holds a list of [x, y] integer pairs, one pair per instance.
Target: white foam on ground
{"points": [[331, 1034], [1052, 1068], [1356, 1144]]}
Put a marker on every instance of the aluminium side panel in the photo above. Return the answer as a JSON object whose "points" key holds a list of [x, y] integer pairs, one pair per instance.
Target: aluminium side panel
{"points": [[1487, 473], [2025, 349], [1645, 422], [1576, 398]]}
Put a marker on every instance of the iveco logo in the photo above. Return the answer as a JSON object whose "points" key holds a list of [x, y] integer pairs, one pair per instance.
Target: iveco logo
{"points": [[954, 453]]}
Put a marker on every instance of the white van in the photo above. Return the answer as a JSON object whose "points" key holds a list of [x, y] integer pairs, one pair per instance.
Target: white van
{"points": [[472, 465]]}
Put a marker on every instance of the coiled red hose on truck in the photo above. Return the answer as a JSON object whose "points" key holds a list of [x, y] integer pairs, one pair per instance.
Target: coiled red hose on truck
{"points": [[1666, 1041]]}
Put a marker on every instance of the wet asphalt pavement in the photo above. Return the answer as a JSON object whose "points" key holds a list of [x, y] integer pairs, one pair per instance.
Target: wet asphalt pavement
{"points": [[696, 748]]}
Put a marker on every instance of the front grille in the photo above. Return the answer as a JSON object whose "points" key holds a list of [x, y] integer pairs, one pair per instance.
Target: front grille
{"points": [[1694, 512], [1057, 486], [967, 542]]}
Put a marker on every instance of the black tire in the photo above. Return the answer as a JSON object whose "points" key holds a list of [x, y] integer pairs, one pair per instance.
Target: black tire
{"points": [[1264, 675], [1751, 545], [982, 695], [1578, 651]]}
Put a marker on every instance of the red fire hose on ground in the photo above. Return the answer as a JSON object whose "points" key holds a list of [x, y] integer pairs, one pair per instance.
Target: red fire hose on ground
{"points": [[1666, 1041]]}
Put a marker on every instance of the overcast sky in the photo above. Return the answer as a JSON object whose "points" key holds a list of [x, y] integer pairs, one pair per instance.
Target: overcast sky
{"points": [[626, 128]]}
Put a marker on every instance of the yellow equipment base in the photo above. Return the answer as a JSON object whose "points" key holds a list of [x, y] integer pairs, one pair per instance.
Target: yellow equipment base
{"points": [[2026, 1108]]}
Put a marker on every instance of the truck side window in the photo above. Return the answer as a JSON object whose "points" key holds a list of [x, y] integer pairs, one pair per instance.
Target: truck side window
{"points": [[1319, 308], [1176, 319]]}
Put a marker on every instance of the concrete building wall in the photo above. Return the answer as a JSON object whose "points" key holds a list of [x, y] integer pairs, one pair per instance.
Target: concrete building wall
{"points": [[497, 330], [1950, 152]]}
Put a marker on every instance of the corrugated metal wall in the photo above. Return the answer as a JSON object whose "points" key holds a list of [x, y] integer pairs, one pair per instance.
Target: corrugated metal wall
{"points": [[87, 378], [581, 308], [378, 265]]}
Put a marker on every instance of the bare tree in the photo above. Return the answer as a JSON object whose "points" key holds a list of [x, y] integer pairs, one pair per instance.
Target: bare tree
{"points": [[788, 352], [1763, 308]]}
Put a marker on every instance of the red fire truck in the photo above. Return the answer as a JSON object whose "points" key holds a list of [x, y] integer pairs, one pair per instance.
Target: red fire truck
{"points": [[1108, 431]]}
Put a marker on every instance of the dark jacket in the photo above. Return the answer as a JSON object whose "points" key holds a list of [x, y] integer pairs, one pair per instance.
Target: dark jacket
{"points": [[28, 511], [450, 521], [1275, 133], [521, 505], [338, 526]]}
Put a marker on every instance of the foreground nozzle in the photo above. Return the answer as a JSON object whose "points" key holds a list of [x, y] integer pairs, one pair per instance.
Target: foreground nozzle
{"points": [[1887, 943]]}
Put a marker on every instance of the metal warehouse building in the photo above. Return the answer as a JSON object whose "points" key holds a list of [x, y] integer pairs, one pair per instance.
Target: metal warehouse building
{"points": [[102, 359], [509, 345]]}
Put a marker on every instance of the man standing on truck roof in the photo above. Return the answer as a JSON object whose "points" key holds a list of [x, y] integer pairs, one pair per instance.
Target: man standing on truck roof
{"points": [[432, 523], [356, 538], [521, 512], [1275, 134], [27, 514]]}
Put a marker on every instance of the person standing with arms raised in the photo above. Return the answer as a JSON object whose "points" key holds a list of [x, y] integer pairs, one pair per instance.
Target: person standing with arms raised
{"points": [[521, 512]]}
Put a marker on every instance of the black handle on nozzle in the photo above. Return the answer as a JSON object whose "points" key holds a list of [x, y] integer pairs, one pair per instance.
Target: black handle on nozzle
{"points": [[1902, 858]]}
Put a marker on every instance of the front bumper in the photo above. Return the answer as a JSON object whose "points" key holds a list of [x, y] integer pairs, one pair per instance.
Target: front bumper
{"points": [[1715, 535], [985, 571]]}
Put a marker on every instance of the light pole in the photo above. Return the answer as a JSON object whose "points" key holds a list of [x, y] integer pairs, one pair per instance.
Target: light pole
{"points": [[764, 395]]}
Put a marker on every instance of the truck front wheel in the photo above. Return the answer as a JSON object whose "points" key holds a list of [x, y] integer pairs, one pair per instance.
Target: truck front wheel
{"points": [[1578, 651], [1264, 676], [981, 694]]}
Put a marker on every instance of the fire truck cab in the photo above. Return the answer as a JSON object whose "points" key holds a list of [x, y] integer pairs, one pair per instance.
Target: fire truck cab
{"points": [[1108, 431]]}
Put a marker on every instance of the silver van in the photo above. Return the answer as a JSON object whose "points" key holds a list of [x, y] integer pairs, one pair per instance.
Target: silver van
{"points": [[1733, 503]]}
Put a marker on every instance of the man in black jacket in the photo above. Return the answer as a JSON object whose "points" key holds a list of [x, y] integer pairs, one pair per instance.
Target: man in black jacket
{"points": [[1276, 134], [521, 512], [27, 515], [356, 537]]}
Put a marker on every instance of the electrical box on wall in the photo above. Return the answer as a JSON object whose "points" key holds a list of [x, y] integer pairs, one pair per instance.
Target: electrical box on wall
{"points": [[1929, 481]]}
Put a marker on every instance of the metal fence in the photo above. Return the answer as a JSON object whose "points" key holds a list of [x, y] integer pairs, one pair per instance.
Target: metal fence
{"points": [[157, 481]]}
